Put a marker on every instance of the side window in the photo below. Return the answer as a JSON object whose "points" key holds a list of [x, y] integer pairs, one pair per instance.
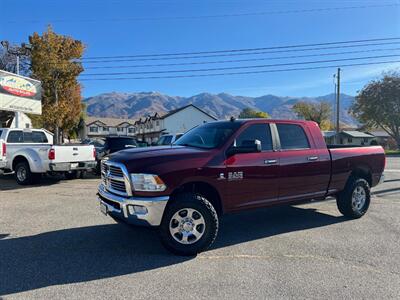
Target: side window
{"points": [[39, 137], [292, 137], [28, 137], [259, 132], [15, 137]]}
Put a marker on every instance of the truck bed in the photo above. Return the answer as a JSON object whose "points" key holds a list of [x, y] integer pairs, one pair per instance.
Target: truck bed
{"points": [[344, 160]]}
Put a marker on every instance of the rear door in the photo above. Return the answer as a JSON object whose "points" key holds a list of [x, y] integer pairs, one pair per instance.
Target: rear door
{"points": [[302, 172], [252, 178]]}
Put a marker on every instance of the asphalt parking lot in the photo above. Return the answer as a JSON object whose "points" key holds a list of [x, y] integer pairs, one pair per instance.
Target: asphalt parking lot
{"points": [[55, 243]]}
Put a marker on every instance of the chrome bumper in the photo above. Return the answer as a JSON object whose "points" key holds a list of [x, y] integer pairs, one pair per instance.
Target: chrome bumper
{"points": [[67, 167], [133, 210]]}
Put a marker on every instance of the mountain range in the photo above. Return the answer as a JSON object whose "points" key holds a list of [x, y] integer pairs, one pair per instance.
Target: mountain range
{"points": [[222, 106]]}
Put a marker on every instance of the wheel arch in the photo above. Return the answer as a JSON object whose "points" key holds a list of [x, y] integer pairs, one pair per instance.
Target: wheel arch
{"points": [[362, 171], [205, 189], [31, 157]]}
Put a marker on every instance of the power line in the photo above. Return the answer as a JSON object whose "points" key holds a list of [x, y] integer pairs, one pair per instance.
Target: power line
{"points": [[239, 73], [244, 49], [240, 60], [239, 54], [241, 67], [276, 12]]}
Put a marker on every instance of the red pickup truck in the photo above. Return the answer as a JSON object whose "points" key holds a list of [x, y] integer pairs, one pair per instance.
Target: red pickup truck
{"points": [[229, 166]]}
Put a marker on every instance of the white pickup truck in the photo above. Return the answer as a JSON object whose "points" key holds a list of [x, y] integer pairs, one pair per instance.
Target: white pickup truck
{"points": [[30, 153]]}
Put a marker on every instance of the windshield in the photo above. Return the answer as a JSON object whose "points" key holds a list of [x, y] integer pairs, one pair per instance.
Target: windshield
{"points": [[208, 136], [164, 140]]}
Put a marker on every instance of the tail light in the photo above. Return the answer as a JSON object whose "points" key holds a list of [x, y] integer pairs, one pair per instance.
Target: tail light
{"points": [[4, 149], [94, 152], [52, 154]]}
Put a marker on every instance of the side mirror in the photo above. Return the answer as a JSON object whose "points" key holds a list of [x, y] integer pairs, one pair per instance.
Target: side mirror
{"points": [[247, 146]]}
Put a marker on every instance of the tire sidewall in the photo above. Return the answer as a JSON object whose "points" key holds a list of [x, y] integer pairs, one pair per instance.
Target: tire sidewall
{"points": [[28, 178], [209, 214], [364, 184]]}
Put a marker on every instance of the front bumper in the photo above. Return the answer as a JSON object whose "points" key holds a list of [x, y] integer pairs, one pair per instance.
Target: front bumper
{"points": [[71, 166], [150, 211]]}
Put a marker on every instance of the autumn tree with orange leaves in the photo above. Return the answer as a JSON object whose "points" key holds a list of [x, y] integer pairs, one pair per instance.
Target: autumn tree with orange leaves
{"points": [[55, 62]]}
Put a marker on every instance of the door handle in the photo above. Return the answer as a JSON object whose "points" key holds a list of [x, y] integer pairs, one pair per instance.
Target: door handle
{"points": [[312, 158], [270, 161]]}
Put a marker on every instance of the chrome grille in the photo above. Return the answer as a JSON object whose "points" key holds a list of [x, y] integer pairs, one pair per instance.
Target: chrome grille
{"points": [[116, 171], [113, 178]]}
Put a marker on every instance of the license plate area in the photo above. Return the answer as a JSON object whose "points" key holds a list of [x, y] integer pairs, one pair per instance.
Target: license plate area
{"points": [[74, 165], [103, 208]]}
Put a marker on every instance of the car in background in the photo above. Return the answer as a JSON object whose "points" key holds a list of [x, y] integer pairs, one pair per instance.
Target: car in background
{"points": [[111, 144], [167, 139], [29, 153]]}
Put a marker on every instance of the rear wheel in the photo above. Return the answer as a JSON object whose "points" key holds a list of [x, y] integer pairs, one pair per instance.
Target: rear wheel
{"points": [[23, 174], [354, 200], [189, 225]]}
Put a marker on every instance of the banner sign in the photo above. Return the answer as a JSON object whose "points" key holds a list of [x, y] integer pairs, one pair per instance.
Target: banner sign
{"points": [[18, 93]]}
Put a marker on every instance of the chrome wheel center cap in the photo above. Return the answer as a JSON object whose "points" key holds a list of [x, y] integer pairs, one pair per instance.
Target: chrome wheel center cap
{"points": [[187, 226]]}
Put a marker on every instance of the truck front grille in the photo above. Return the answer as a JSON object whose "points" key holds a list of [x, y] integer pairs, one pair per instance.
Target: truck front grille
{"points": [[113, 178]]}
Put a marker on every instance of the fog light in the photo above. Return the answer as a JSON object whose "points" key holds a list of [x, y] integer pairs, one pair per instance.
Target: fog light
{"points": [[137, 210], [140, 210]]}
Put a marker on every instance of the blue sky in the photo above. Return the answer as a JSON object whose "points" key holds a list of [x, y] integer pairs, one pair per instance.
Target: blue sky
{"points": [[110, 28]]}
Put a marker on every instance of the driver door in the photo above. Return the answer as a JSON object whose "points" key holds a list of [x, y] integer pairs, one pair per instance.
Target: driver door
{"points": [[252, 178]]}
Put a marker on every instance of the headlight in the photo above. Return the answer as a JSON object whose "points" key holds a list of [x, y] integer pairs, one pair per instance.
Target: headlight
{"points": [[147, 183]]}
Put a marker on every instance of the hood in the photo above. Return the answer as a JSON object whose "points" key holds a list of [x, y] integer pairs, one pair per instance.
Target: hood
{"points": [[160, 158]]}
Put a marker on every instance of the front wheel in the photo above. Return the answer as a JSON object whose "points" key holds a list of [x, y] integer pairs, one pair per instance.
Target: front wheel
{"points": [[354, 200], [189, 225]]}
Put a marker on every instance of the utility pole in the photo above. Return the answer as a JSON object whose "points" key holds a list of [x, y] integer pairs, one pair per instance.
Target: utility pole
{"points": [[338, 106], [17, 113], [56, 129]]}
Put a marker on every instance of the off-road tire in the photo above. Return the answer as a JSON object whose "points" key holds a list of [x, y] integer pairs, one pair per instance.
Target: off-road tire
{"points": [[202, 205], [344, 198]]}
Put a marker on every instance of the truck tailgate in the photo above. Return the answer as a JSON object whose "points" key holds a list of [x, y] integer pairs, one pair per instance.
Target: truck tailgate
{"points": [[73, 153]]}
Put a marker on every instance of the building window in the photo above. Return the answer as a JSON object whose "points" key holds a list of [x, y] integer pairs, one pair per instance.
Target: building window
{"points": [[131, 130], [93, 129], [105, 128], [349, 140], [365, 140], [119, 129], [157, 123]]}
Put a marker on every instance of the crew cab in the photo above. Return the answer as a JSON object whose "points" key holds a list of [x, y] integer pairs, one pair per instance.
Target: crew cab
{"points": [[30, 153], [229, 166]]}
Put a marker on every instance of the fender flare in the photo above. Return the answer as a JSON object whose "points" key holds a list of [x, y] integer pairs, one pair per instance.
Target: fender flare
{"points": [[33, 158]]}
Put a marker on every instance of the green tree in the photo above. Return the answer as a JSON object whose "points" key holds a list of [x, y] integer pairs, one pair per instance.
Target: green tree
{"points": [[54, 62], [378, 105], [248, 113], [319, 112]]}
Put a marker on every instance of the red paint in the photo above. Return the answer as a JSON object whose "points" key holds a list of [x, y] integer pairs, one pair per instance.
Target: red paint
{"points": [[19, 92], [291, 179]]}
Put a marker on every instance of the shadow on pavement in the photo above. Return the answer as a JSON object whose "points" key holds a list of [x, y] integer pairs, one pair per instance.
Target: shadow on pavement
{"points": [[104, 251], [8, 183]]}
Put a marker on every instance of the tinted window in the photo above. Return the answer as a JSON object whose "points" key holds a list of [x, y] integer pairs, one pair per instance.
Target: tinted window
{"points": [[292, 136], [15, 137], [210, 135], [1, 131], [39, 137], [259, 132], [121, 143], [165, 140]]}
